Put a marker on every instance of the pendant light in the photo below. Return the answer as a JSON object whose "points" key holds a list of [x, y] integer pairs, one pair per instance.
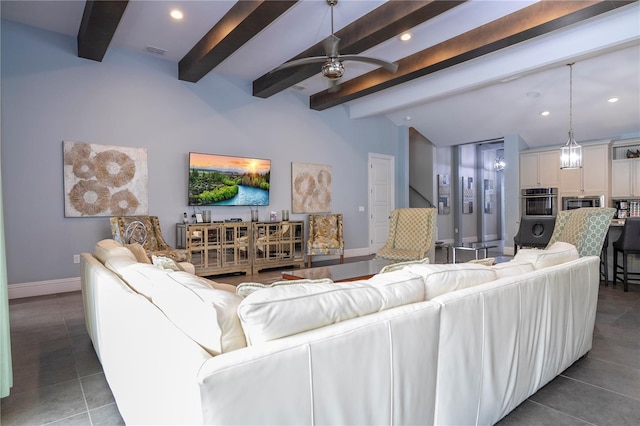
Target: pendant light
{"points": [[571, 153]]}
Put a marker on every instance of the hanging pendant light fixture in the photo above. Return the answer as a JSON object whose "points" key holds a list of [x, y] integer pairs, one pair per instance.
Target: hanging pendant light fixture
{"points": [[571, 153]]}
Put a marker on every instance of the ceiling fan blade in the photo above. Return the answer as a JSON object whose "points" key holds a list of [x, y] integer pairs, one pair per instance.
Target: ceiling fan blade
{"points": [[298, 62], [331, 46], [389, 66]]}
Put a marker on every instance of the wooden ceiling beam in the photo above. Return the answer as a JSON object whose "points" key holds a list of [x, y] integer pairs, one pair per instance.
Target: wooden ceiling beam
{"points": [[100, 20], [533, 21], [243, 21], [379, 25]]}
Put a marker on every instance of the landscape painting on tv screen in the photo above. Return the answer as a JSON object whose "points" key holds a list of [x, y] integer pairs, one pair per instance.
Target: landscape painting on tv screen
{"points": [[222, 180]]}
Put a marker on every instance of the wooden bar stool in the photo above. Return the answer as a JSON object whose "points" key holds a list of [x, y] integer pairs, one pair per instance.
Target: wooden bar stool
{"points": [[628, 243]]}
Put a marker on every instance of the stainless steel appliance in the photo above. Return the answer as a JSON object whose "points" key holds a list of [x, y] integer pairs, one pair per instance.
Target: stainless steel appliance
{"points": [[570, 203], [539, 202]]}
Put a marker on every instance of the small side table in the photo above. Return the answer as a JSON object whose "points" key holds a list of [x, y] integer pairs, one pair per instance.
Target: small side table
{"points": [[477, 248]]}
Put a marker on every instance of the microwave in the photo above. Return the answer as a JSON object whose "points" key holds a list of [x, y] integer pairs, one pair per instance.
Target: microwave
{"points": [[571, 203]]}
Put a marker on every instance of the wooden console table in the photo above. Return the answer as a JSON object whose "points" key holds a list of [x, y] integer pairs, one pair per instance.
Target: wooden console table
{"points": [[227, 247]]}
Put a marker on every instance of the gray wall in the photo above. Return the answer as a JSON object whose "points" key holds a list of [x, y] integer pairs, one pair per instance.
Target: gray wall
{"points": [[130, 99]]}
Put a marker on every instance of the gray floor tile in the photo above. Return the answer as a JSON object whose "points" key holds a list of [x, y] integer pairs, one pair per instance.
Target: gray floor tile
{"points": [[610, 376], [530, 413], [106, 416], [87, 362], [49, 369], [96, 391], [43, 405], [625, 353], [630, 319], [29, 319], [81, 419], [25, 338], [589, 403]]}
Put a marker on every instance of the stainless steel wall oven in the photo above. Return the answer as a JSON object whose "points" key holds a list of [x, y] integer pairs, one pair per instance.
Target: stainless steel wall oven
{"points": [[539, 202]]}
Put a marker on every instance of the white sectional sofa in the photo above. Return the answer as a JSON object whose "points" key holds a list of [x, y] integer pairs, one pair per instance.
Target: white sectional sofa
{"points": [[419, 344]]}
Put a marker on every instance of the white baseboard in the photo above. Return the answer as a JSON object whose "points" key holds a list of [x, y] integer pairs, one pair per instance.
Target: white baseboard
{"points": [[41, 288], [357, 252]]}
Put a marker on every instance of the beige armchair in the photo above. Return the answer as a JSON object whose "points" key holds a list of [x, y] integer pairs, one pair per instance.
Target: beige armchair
{"points": [[325, 236], [146, 231], [412, 235], [585, 228]]}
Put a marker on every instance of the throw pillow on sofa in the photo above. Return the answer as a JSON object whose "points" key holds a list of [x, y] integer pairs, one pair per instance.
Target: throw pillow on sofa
{"points": [[512, 268], [443, 278], [165, 263], [207, 315], [559, 252], [104, 249], [245, 289], [139, 252], [291, 309]]}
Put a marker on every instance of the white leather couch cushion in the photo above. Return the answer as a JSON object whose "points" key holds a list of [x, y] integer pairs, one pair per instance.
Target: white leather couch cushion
{"points": [[187, 278], [443, 278], [559, 252], [141, 277], [245, 289], [286, 310], [512, 268], [207, 315], [105, 249], [400, 265]]}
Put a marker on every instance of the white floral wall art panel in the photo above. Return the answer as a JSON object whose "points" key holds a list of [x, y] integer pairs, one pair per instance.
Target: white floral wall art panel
{"points": [[310, 188], [104, 180]]}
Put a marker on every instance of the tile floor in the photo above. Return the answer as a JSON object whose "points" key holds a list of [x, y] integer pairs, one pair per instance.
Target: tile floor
{"points": [[58, 379]]}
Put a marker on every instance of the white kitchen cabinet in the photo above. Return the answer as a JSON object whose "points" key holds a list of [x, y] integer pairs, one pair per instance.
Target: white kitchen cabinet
{"points": [[625, 178], [540, 169], [593, 177]]}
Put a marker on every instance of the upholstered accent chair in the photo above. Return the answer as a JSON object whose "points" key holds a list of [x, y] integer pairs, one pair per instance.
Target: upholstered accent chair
{"points": [[325, 236], [585, 228], [412, 235], [144, 230]]}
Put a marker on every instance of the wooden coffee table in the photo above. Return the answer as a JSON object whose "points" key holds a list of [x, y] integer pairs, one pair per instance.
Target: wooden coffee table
{"points": [[351, 271]]}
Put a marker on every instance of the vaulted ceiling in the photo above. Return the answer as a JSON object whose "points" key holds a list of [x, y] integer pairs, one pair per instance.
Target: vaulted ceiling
{"points": [[474, 70]]}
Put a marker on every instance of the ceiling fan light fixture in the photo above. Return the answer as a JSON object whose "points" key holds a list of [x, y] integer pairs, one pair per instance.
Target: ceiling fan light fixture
{"points": [[333, 69]]}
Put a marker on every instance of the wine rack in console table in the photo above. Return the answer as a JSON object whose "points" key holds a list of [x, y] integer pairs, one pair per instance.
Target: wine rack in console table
{"points": [[221, 248]]}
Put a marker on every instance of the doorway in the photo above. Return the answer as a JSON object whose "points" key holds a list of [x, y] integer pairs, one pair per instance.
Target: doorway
{"points": [[381, 182]]}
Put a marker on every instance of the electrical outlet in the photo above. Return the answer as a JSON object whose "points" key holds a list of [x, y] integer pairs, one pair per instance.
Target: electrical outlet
{"points": [[76, 258], [360, 208]]}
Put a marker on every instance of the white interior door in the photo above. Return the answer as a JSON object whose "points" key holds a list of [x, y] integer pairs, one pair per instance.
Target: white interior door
{"points": [[381, 198]]}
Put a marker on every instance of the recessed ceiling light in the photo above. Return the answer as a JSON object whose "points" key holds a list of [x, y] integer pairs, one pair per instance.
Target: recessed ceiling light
{"points": [[612, 100], [405, 36], [407, 118], [176, 14], [545, 113]]}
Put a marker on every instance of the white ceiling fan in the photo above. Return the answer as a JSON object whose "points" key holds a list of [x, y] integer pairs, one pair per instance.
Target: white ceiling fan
{"points": [[332, 67]]}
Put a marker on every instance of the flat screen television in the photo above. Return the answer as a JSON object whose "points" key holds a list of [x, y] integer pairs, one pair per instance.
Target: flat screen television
{"points": [[222, 180]]}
